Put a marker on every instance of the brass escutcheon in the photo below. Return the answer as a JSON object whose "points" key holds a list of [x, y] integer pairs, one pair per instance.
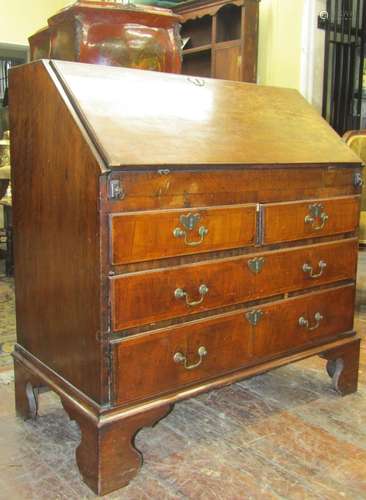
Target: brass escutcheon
{"points": [[256, 265], [254, 317]]}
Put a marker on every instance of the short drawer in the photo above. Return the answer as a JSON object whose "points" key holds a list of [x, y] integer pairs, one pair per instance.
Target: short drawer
{"points": [[148, 297], [142, 236], [310, 219], [165, 360]]}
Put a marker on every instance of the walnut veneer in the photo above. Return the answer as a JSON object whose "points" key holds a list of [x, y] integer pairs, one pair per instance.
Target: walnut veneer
{"points": [[171, 236]]}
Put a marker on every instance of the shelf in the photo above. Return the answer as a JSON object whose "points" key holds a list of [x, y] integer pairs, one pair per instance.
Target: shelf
{"points": [[202, 48], [228, 43], [219, 45], [197, 64], [228, 23], [198, 31]]}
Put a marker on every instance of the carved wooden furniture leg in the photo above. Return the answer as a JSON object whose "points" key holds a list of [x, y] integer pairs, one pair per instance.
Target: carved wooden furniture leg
{"points": [[106, 457], [342, 367], [26, 392]]}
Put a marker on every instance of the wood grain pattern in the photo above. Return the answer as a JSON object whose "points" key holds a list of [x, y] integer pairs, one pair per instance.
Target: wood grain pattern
{"points": [[228, 62], [193, 9], [116, 424], [107, 457], [167, 188], [142, 236], [250, 42], [148, 297], [286, 221], [231, 342], [26, 392], [56, 231], [342, 367], [228, 144], [209, 123]]}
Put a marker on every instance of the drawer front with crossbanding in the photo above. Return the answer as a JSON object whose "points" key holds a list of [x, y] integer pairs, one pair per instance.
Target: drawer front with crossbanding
{"points": [[310, 219], [187, 354], [151, 296], [158, 234]]}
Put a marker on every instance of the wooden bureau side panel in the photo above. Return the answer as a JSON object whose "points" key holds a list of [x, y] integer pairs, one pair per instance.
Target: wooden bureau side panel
{"points": [[142, 236], [230, 341], [166, 188], [286, 221], [147, 297], [56, 232]]}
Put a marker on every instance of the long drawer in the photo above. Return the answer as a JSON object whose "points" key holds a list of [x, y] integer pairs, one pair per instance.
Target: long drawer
{"points": [[164, 188], [150, 296], [142, 236], [158, 362], [310, 219]]}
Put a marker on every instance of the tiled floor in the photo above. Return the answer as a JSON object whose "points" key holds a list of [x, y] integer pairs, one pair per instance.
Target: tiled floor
{"points": [[285, 434]]}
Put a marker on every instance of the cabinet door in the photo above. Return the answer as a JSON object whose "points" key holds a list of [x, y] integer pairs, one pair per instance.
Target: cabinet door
{"points": [[227, 63]]}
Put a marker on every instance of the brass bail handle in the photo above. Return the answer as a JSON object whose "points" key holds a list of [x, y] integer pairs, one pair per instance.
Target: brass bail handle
{"points": [[180, 358], [202, 290], [303, 322], [189, 221], [307, 268], [317, 216], [180, 233]]}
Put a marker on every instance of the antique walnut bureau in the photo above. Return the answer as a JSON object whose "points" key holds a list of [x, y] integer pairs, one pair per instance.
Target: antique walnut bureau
{"points": [[172, 235]]}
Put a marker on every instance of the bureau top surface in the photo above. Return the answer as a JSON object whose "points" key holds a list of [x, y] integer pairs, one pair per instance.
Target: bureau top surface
{"points": [[138, 118]]}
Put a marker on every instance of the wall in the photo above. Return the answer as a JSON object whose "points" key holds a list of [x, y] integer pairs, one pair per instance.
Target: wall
{"points": [[280, 37], [291, 47], [21, 18], [280, 34]]}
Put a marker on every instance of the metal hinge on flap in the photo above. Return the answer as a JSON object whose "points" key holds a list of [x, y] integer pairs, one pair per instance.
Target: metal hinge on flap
{"points": [[116, 190], [357, 180]]}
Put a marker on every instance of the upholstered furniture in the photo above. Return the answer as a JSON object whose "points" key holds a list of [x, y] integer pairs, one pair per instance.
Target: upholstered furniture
{"points": [[356, 140]]}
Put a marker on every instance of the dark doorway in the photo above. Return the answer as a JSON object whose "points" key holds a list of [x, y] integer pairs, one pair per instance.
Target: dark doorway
{"points": [[343, 102]]}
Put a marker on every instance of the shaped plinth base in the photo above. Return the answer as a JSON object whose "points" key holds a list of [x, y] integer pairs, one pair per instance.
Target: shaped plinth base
{"points": [[342, 366], [107, 457], [27, 388]]}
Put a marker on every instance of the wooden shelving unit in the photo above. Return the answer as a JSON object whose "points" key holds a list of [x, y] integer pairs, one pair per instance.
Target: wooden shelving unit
{"points": [[222, 39]]}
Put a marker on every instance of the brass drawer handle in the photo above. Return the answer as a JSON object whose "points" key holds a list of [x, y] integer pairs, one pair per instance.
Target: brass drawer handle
{"points": [[182, 359], [189, 221], [306, 323], [180, 294], [180, 233], [307, 268], [317, 216]]}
